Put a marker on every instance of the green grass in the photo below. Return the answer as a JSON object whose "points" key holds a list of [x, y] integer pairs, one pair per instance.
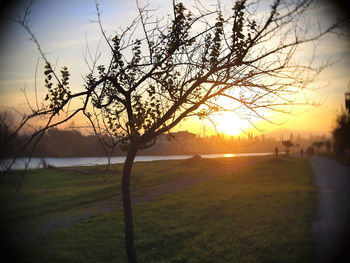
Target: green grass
{"points": [[260, 213], [45, 191]]}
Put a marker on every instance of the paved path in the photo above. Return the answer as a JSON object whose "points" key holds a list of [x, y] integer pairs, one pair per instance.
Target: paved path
{"points": [[333, 223]]}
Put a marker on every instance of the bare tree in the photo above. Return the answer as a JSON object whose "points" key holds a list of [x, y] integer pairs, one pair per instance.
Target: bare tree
{"points": [[318, 145], [162, 71], [287, 144]]}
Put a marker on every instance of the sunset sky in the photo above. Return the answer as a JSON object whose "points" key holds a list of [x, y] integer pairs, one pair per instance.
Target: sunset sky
{"points": [[65, 28]]}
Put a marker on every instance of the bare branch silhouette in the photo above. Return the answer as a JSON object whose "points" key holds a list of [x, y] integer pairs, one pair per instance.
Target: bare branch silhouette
{"points": [[179, 68]]}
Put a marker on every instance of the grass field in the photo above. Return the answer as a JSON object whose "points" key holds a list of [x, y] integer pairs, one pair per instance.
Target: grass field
{"points": [[261, 212]]}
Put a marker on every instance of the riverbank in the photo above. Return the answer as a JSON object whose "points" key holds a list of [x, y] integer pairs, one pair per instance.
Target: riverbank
{"points": [[37, 163]]}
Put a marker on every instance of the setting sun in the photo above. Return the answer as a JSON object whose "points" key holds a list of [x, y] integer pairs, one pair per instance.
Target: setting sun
{"points": [[229, 123]]}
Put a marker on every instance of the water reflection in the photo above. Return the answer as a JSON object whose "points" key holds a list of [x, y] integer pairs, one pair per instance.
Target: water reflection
{"points": [[36, 163]]}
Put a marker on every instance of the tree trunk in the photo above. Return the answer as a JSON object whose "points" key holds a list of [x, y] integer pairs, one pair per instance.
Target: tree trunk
{"points": [[128, 219]]}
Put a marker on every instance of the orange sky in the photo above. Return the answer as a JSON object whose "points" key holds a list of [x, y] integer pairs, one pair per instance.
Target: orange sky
{"points": [[64, 28]]}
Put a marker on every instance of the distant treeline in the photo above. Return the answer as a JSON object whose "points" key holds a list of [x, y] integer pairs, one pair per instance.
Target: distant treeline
{"points": [[56, 143], [72, 143]]}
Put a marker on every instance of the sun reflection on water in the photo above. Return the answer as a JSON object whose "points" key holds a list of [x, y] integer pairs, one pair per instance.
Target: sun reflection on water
{"points": [[229, 155]]}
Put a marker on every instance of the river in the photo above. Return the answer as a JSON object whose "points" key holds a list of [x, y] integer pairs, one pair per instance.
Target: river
{"points": [[91, 161]]}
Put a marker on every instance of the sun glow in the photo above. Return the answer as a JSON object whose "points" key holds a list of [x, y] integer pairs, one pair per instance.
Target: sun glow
{"points": [[229, 123]]}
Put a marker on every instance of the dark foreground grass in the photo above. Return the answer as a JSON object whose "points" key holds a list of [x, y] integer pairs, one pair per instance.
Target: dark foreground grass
{"points": [[260, 213]]}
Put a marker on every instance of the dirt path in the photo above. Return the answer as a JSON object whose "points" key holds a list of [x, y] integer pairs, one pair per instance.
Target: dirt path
{"points": [[333, 224], [66, 218]]}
